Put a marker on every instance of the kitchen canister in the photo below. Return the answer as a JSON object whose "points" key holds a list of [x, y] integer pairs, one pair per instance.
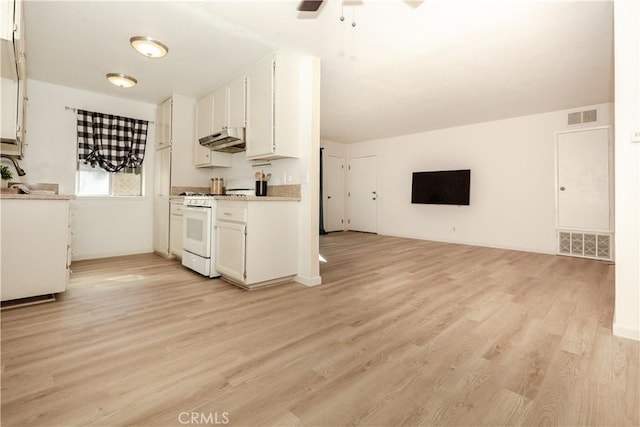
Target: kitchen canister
{"points": [[261, 188], [217, 186]]}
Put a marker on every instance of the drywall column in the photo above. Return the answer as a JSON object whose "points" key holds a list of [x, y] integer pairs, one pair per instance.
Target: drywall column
{"points": [[626, 321], [308, 240]]}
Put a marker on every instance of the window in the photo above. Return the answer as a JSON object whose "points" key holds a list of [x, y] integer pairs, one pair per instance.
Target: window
{"points": [[98, 182], [110, 154]]}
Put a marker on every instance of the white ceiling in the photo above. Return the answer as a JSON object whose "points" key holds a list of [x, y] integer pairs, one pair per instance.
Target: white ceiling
{"points": [[406, 67]]}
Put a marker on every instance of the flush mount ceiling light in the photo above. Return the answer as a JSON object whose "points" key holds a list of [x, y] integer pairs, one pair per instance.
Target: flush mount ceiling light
{"points": [[149, 47], [121, 80]]}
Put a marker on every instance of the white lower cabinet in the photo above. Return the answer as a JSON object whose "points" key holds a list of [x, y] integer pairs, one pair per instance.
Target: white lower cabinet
{"points": [[256, 241], [35, 247], [231, 250], [175, 230]]}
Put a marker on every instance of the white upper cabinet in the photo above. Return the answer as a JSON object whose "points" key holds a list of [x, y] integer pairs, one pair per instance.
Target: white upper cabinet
{"points": [[229, 105], [272, 108], [220, 107], [204, 116], [11, 20], [205, 125], [237, 103], [163, 125], [13, 47]]}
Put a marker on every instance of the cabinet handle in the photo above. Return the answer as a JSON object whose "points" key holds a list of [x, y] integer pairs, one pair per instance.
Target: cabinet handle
{"points": [[226, 213]]}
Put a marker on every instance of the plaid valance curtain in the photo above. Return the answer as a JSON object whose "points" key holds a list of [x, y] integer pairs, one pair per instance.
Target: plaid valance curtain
{"points": [[111, 142]]}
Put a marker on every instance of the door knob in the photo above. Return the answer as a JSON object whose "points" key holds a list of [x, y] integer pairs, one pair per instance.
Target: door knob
{"points": [[328, 197], [373, 192], [561, 188]]}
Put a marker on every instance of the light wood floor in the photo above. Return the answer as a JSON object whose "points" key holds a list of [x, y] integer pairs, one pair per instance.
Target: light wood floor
{"points": [[403, 332]]}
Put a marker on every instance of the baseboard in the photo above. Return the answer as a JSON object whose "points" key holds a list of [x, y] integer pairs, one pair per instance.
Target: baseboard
{"points": [[473, 243], [110, 255], [621, 331], [308, 281]]}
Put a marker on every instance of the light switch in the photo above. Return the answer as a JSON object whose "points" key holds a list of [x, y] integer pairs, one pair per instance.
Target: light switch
{"points": [[635, 136]]}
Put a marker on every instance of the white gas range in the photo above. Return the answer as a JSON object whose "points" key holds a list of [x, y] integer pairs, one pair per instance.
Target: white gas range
{"points": [[199, 232]]}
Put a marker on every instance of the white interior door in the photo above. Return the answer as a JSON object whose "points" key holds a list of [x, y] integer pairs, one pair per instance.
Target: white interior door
{"points": [[362, 194], [583, 180], [333, 174]]}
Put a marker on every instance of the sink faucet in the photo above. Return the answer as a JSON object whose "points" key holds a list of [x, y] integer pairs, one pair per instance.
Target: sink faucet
{"points": [[13, 159]]}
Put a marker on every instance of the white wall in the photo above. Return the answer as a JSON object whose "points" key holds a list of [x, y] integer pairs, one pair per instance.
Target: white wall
{"points": [[627, 174], [512, 181], [332, 148], [101, 227]]}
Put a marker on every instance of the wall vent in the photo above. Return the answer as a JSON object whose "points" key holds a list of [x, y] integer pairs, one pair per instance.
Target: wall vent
{"points": [[587, 116], [585, 245], [575, 118]]}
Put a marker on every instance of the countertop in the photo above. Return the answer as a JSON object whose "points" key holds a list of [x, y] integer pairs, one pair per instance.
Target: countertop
{"points": [[37, 196], [259, 198]]}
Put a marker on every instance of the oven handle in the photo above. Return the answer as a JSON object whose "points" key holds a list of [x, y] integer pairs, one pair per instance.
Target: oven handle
{"points": [[196, 208]]}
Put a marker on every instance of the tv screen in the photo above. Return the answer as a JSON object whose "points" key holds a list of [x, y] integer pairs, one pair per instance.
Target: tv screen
{"points": [[441, 187]]}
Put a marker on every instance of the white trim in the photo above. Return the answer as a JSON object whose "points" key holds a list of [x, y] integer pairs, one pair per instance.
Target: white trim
{"points": [[308, 280], [108, 255], [624, 332], [473, 243]]}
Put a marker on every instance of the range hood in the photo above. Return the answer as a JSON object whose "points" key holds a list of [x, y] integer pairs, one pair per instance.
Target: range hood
{"points": [[230, 140]]}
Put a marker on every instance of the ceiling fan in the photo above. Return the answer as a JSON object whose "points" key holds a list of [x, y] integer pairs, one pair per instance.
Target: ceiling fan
{"points": [[314, 5], [309, 5]]}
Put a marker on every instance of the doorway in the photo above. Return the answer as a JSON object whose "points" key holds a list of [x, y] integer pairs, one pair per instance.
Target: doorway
{"points": [[334, 193], [584, 201], [362, 194]]}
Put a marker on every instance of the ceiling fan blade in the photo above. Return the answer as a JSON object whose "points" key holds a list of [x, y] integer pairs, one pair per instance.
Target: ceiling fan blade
{"points": [[309, 5]]}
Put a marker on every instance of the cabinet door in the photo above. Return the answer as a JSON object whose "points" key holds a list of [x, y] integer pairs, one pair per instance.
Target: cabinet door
{"points": [[231, 250], [164, 125], [10, 102], [162, 188], [7, 19], [237, 103], [204, 127], [260, 110], [204, 116], [220, 109], [21, 110], [175, 230]]}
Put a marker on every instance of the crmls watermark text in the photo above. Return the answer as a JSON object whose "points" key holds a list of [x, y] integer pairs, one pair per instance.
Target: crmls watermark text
{"points": [[203, 418]]}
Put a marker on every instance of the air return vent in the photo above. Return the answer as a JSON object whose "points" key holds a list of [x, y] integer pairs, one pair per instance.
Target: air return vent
{"points": [[587, 116], [575, 118], [585, 245]]}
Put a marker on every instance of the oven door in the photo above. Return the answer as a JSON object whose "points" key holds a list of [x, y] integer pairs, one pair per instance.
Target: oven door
{"points": [[196, 231]]}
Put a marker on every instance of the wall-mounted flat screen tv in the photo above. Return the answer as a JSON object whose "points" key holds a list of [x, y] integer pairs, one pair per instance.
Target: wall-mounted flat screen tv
{"points": [[441, 187]]}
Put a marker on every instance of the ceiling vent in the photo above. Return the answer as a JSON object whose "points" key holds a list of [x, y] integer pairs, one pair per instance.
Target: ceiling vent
{"points": [[587, 116]]}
